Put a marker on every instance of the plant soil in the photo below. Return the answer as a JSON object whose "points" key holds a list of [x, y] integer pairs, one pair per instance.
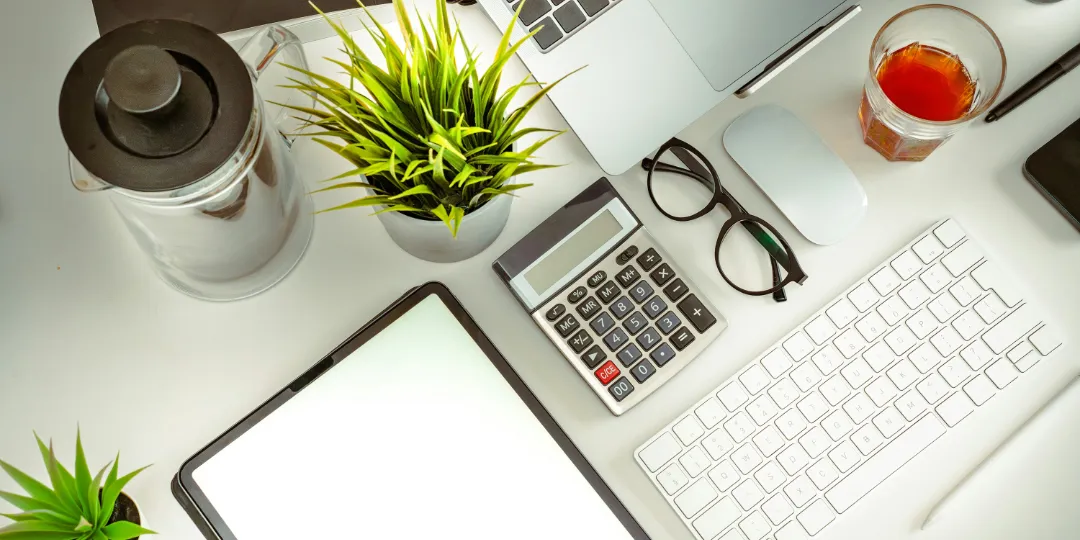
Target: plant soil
{"points": [[125, 510]]}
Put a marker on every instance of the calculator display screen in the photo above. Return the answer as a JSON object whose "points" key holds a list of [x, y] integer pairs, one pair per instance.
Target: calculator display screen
{"points": [[575, 249]]}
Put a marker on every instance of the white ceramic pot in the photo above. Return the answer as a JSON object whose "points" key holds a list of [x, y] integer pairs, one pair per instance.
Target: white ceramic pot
{"points": [[432, 241]]}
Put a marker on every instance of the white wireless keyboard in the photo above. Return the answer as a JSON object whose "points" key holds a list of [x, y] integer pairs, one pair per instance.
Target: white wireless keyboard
{"points": [[805, 430]]}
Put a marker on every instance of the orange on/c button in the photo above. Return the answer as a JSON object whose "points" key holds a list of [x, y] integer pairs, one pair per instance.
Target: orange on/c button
{"points": [[607, 372]]}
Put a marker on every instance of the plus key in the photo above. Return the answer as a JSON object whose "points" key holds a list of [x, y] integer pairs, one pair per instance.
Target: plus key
{"points": [[696, 312]]}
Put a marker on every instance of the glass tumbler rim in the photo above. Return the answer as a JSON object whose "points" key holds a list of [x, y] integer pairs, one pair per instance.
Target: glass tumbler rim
{"points": [[872, 67]]}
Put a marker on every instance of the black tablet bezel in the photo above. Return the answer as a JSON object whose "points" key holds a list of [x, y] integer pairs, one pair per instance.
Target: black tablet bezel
{"points": [[213, 527]]}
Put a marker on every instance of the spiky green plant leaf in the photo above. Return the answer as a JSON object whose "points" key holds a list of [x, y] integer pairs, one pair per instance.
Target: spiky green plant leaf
{"points": [[432, 134]]}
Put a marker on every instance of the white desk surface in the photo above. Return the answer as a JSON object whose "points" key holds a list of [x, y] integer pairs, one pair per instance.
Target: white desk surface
{"points": [[88, 334]]}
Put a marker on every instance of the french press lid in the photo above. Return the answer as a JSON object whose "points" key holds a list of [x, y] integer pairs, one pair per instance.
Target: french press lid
{"points": [[156, 105]]}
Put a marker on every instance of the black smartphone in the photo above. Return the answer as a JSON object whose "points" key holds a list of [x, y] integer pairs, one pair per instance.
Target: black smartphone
{"points": [[1055, 170]]}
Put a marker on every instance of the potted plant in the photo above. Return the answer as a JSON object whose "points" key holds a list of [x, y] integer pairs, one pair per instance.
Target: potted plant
{"points": [[433, 141], [76, 507]]}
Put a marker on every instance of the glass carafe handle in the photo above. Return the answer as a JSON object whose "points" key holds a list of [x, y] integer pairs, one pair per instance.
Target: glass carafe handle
{"points": [[260, 53]]}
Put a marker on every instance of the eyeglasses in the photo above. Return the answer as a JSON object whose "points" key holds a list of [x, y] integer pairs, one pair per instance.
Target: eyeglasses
{"points": [[681, 200]]}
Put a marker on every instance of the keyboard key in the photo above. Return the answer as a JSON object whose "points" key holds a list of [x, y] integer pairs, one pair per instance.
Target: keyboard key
{"points": [[914, 294], [955, 408], [815, 441], [733, 396], [733, 534], [710, 413], [635, 323], [798, 346], [653, 308], [746, 458], [962, 258], [837, 425], [882, 465], [762, 410], [607, 372], [675, 290], [717, 444], [928, 249], [672, 479], [988, 275], [662, 355], [754, 379], [791, 423], [1027, 362], [828, 359], [747, 494], [813, 406], [724, 475], [660, 451], [859, 408], [944, 307], [907, 265], [850, 343], [616, 339], [842, 313], [596, 279], [867, 438], [663, 274], [784, 392], [668, 323], [955, 372], [650, 258], [580, 341], [567, 325], [608, 292], [835, 390], [641, 291], [823, 473], [871, 326], [682, 338], [857, 373], [697, 314], [688, 430], [821, 329], [777, 509], [1011, 329], [890, 421], [936, 278], [628, 276], [629, 355], [885, 281], [816, 517], [791, 531], [649, 339], [863, 297], [593, 356], [793, 458], [695, 461], [965, 291], [980, 389], [1046, 340], [643, 371], [879, 356], [576, 295], [770, 477], [881, 391], [620, 389], [911, 405], [621, 307], [1002, 373], [968, 325], [845, 456], [548, 35], [903, 374], [800, 491], [900, 340], [949, 233], [922, 324], [740, 427], [990, 308], [602, 324], [555, 312], [592, 7], [933, 388], [977, 355], [776, 362], [695, 498], [716, 518], [754, 526]]}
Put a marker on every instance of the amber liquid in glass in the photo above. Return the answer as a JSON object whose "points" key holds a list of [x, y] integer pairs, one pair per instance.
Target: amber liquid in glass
{"points": [[925, 82]]}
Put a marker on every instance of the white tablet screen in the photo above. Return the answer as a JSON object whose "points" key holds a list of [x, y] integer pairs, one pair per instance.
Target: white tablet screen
{"points": [[415, 435]]}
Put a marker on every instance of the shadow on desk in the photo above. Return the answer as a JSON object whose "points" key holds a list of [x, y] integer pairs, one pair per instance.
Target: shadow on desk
{"points": [[216, 15]]}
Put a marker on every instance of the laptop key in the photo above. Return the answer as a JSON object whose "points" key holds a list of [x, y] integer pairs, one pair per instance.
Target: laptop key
{"points": [[549, 33], [569, 17], [532, 10], [592, 7]]}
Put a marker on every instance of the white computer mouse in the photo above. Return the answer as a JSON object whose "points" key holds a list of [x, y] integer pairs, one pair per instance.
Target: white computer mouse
{"points": [[810, 184]]}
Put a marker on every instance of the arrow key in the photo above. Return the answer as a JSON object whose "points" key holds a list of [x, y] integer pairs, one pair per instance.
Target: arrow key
{"points": [[593, 356]]}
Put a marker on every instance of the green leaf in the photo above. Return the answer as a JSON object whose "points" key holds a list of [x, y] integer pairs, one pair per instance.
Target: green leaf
{"points": [[415, 190], [373, 200], [93, 513], [109, 504], [82, 472], [40, 515], [98, 535], [46, 499], [114, 489], [124, 530], [62, 480], [345, 185], [33, 527]]}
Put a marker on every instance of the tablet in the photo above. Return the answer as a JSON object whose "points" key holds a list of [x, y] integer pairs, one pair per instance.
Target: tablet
{"points": [[414, 428]]}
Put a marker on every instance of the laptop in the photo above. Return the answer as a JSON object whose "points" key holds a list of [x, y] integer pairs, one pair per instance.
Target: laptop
{"points": [[655, 66]]}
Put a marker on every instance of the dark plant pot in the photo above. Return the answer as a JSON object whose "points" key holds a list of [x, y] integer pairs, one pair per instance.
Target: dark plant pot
{"points": [[126, 510]]}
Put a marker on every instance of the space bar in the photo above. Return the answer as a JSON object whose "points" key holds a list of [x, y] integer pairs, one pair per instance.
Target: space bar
{"points": [[884, 463]]}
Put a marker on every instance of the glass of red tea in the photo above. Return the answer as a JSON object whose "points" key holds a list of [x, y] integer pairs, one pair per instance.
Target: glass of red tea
{"points": [[933, 69]]}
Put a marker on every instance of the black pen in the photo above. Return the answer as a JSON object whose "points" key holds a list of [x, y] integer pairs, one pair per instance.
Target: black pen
{"points": [[1060, 67]]}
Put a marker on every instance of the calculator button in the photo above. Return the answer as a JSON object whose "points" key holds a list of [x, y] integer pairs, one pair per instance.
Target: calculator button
{"points": [[596, 279], [589, 308], [668, 322], [626, 255], [662, 355], [649, 259], [621, 389], [635, 323], [653, 308], [602, 324], [567, 325], [576, 295], [663, 274], [641, 291], [580, 340], [629, 355], [621, 307], [555, 312], [648, 339], [682, 338], [628, 276], [616, 339], [607, 372], [643, 371], [593, 356], [696, 312], [608, 292], [675, 290]]}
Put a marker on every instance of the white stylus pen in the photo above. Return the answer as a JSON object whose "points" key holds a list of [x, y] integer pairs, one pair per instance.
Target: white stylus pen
{"points": [[948, 496]]}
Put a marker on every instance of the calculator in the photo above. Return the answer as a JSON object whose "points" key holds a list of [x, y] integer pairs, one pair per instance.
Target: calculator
{"points": [[613, 302]]}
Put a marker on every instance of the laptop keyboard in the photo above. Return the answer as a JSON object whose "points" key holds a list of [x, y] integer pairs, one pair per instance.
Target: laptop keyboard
{"points": [[558, 19]]}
